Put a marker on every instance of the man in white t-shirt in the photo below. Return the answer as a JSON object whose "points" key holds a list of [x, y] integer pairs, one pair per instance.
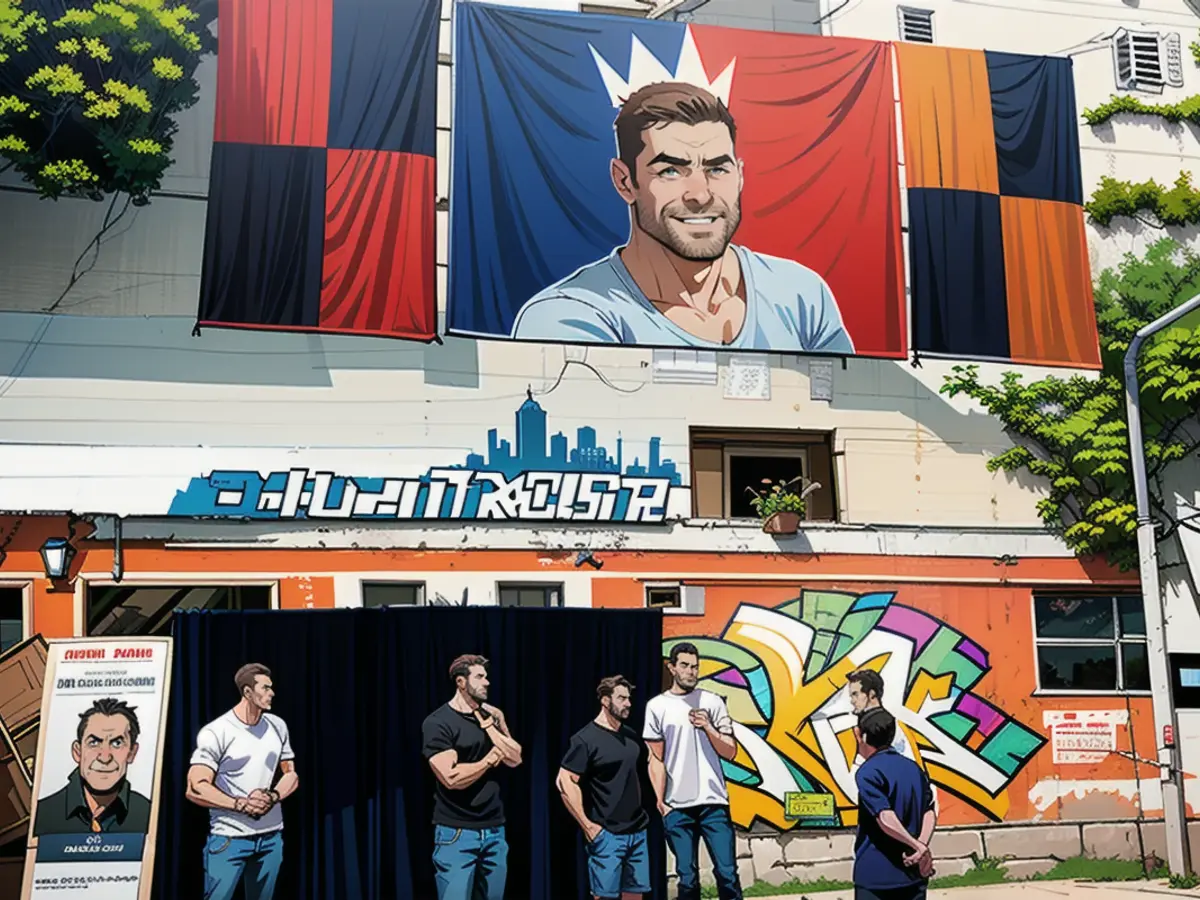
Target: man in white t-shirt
{"points": [[233, 775], [688, 732]]}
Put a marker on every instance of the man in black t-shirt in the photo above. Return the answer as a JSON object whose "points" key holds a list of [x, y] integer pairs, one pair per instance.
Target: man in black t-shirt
{"points": [[463, 741], [599, 785]]}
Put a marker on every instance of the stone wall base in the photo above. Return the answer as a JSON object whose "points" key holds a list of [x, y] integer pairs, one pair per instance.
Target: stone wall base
{"points": [[1027, 849]]}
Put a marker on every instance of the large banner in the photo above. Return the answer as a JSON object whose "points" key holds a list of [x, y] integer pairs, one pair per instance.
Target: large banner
{"points": [[96, 779], [621, 181]]}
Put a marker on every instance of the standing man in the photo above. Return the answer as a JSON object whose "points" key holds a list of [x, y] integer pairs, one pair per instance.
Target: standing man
{"points": [[896, 817], [602, 758], [866, 692], [688, 733], [464, 740], [233, 775]]}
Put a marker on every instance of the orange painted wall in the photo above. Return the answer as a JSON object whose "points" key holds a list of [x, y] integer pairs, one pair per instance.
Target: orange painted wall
{"points": [[989, 604], [999, 619]]}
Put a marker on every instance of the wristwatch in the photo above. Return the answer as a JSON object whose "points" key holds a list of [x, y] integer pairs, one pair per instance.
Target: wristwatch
{"points": [[275, 798]]}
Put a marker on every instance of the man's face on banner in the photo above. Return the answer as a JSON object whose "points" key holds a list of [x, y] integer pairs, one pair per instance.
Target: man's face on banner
{"points": [[105, 752], [688, 188]]}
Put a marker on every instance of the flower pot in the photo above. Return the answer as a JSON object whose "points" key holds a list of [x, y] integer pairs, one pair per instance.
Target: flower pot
{"points": [[782, 523]]}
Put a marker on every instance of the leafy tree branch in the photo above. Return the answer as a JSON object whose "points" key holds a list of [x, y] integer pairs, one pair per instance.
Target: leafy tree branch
{"points": [[1071, 432], [88, 99]]}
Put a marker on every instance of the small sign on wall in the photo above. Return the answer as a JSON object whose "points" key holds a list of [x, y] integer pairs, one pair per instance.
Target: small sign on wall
{"points": [[800, 805], [1085, 737]]}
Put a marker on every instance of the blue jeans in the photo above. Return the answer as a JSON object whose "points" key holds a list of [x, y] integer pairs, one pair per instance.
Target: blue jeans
{"points": [[685, 828], [469, 864], [229, 860], [619, 864]]}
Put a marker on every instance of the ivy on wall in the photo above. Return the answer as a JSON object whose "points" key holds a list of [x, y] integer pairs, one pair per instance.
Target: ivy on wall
{"points": [[1186, 110], [1147, 201]]}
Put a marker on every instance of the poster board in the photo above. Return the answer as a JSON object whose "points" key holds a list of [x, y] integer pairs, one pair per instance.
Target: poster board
{"points": [[1084, 737], [116, 682]]}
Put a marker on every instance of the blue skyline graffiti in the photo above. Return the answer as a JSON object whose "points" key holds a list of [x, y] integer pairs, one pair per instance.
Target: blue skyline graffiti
{"points": [[586, 456], [539, 480]]}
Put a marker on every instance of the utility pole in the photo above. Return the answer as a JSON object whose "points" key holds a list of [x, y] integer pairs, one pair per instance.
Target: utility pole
{"points": [[1174, 807]]}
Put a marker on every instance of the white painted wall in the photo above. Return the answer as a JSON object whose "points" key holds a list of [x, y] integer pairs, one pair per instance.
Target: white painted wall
{"points": [[122, 369]]}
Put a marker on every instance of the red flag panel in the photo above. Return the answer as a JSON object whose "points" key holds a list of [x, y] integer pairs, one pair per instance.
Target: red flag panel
{"points": [[273, 71], [379, 271], [817, 131]]}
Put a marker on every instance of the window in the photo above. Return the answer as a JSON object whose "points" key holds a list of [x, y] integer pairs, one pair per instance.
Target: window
{"points": [[728, 465], [392, 593], [1091, 644], [915, 24], [1146, 61], [687, 599], [533, 596], [12, 617], [117, 611]]}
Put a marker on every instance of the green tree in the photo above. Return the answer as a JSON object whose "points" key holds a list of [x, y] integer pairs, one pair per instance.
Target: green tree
{"points": [[1072, 431], [89, 92]]}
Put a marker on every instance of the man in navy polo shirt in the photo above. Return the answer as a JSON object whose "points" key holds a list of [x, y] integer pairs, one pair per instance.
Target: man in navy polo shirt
{"points": [[896, 817]]}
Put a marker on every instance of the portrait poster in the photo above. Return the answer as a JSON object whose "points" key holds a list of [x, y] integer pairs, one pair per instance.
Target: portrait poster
{"points": [[96, 778], [660, 184]]}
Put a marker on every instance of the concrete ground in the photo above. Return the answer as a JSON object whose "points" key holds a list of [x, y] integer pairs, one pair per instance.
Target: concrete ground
{"points": [[1038, 890]]}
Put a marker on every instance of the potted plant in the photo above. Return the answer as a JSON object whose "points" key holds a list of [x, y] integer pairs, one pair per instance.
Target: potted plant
{"points": [[780, 506]]}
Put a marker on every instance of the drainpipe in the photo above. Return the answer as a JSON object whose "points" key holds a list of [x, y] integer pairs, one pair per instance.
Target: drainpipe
{"points": [[1174, 807], [118, 569]]}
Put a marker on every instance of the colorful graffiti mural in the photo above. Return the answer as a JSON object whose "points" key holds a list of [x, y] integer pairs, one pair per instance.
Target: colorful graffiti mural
{"points": [[783, 671]]}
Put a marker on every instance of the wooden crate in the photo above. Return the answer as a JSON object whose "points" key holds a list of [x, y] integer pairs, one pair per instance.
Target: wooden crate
{"points": [[22, 673]]}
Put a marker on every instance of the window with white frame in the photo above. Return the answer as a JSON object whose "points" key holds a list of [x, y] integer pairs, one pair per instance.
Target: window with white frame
{"points": [[393, 593], [1090, 643], [916, 25], [1147, 61], [674, 597], [531, 596]]}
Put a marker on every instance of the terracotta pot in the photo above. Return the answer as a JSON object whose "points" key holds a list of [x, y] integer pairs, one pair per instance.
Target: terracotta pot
{"points": [[782, 523]]}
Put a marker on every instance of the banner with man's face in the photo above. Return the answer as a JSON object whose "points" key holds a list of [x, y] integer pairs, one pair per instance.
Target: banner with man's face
{"points": [[656, 184], [96, 777]]}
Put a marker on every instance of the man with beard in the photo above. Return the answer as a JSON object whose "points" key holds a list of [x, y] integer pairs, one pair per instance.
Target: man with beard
{"points": [[464, 740], [680, 282], [602, 758], [233, 775], [97, 798], [688, 732]]}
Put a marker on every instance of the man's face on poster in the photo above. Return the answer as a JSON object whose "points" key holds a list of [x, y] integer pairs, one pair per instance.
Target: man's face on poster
{"points": [[476, 684], [686, 190], [105, 752]]}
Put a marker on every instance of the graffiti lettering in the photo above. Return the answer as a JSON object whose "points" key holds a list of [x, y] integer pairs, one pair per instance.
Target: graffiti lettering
{"points": [[783, 675], [441, 494]]}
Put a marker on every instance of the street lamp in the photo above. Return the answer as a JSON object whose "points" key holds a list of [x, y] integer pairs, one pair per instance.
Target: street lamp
{"points": [[1174, 811], [57, 554]]}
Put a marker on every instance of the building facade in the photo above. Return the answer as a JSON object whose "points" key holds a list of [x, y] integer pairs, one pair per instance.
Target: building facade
{"points": [[248, 470]]}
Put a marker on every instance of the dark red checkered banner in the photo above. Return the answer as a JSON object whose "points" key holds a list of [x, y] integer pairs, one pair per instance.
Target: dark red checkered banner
{"points": [[321, 198]]}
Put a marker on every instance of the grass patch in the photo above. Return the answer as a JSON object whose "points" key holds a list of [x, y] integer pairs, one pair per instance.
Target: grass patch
{"points": [[762, 889], [1185, 882], [986, 871]]}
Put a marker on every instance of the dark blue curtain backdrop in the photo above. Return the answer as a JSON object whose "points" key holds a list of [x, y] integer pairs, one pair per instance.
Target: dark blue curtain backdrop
{"points": [[960, 302], [354, 686], [1037, 130], [510, 154]]}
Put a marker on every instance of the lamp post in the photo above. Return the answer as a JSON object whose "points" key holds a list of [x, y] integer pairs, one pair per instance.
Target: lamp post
{"points": [[57, 554], [1174, 809]]}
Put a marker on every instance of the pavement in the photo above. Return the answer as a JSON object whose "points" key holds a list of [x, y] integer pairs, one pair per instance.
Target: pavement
{"points": [[1038, 890]]}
